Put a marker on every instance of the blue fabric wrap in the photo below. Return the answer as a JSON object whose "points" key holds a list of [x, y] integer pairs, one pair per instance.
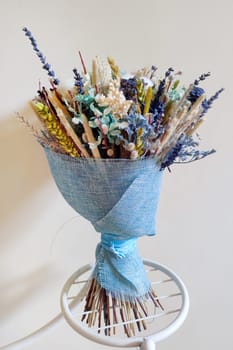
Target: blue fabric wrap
{"points": [[119, 197]]}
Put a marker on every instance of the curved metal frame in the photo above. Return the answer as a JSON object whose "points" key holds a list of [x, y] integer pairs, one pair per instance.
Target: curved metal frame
{"points": [[144, 343]]}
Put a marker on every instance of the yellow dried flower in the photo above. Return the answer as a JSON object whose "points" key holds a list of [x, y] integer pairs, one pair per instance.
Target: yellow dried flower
{"points": [[148, 98], [140, 91], [55, 129], [139, 143]]}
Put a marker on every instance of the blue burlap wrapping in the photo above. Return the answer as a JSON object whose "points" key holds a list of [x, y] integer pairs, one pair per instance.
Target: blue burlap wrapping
{"points": [[119, 197]]}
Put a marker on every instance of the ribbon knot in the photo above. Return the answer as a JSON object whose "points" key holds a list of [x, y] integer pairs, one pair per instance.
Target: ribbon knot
{"points": [[119, 247]]}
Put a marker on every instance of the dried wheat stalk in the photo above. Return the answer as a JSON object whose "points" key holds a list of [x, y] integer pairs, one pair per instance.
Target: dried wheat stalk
{"points": [[64, 117]]}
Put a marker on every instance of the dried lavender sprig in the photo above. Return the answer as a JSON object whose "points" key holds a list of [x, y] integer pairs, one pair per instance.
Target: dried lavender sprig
{"points": [[201, 78], [156, 106], [171, 156], [78, 81], [163, 83], [207, 104], [168, 72], [42, 58]]}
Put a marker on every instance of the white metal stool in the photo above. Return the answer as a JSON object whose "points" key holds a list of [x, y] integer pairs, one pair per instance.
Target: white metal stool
{"points": [[171, 292]]}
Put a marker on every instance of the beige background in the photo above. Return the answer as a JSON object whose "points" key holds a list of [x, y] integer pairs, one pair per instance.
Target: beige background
{"points": [[42, 240]]}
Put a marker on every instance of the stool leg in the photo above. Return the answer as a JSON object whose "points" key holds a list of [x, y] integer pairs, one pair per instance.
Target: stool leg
{"points": [[148, 344]]}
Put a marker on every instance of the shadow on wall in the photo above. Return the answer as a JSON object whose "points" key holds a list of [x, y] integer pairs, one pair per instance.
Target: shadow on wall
{"points": [[19, 290], [23, 166]]}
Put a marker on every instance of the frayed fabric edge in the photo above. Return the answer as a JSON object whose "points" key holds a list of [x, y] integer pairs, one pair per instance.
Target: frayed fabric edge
{"points": [[104, 309]]}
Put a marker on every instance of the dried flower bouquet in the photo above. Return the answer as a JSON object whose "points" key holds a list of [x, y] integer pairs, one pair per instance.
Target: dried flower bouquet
{"points": [[108, 139]]}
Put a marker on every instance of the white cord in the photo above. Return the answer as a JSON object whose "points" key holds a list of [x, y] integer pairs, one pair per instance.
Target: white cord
{"points": [[27, 340], [30, 338]]}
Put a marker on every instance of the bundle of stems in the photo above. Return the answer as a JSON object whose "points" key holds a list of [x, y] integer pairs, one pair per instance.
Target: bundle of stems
{"points": [[107, 311]]}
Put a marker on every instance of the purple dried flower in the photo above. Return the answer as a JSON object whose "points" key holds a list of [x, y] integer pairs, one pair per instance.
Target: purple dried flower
{"points": [[162, 86], [206, 104], [172, 155], [215, 96], [185, 151], [153, 70], [135, 122], [168, 72], [157, 106], [129, 88], [56, 81], [42, 58], [51, 73], [46, 66], [201, 78], [195, 93], [189, 151], [78, 81], [157, 109]]}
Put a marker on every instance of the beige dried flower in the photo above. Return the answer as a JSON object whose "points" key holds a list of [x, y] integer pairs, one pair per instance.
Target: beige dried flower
{"points": [[143, 72], [102, 73], [115, 100]]}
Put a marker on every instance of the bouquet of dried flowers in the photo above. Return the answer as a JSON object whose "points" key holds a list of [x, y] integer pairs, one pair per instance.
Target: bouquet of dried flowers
{"points": [[107, 139]]}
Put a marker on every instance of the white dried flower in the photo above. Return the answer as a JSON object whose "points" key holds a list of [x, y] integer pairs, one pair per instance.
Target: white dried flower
{"points": [[115, 100], [147, 82], [86, 82]]}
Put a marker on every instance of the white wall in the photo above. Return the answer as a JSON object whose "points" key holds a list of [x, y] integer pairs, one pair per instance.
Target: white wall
{"points": [[195, 213]]}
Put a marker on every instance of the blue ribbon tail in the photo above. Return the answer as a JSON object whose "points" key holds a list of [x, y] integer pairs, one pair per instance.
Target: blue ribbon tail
{"points": [[119, 268]]}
